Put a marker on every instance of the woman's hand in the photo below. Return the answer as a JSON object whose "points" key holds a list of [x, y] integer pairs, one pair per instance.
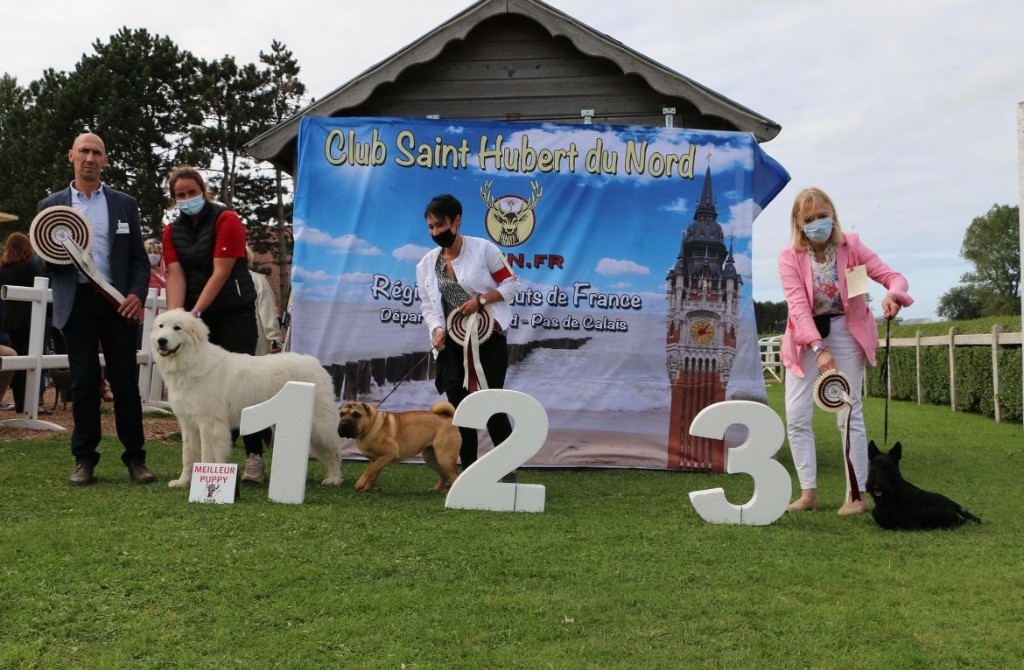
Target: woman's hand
{"points": [[438, 339], [825, 361], [890, 308], [471, 306]]}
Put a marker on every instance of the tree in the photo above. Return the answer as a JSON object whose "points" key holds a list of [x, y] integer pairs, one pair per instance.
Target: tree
{"points": [[14, 102], [771, 317], [288, 99], [137, 93], [35, 127], [992, 245], [959, 304]]}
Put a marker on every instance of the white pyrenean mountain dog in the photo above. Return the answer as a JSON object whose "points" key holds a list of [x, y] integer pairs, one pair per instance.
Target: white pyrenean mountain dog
{"points": [[209, 387]]}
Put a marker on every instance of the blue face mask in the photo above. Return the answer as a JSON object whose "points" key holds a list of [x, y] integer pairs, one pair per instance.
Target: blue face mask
{"points": [[192, 206], [819, 231]]}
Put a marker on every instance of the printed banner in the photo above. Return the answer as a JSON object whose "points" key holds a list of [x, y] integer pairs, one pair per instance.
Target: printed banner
{"points": [[633, 246]]}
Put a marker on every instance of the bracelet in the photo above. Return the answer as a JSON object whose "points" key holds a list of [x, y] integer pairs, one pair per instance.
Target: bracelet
{"points": [[195, 313], [819, 347]]}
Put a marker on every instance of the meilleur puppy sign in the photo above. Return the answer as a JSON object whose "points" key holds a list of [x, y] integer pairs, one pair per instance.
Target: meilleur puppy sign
{"points": [[213, 483]]}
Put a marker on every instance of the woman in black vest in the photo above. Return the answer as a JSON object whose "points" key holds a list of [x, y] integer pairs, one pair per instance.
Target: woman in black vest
{"points": [[207, 274]]}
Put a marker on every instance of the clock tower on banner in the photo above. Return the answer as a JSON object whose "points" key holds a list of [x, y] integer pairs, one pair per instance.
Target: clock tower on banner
{"points": [[700, 346]]}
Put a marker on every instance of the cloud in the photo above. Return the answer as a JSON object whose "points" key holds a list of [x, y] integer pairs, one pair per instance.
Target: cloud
{"points": [[410, 252], [362, 278], [346, 244], [679, 205], [302, 274], [611, 267]]}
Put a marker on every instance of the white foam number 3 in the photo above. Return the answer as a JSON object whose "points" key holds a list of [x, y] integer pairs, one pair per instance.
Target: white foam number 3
{"points": [[478, 486], [772, 485], [291, 411]]}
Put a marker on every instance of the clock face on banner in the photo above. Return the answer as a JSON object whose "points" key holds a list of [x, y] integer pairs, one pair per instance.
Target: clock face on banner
{"points": [[702, 332]]}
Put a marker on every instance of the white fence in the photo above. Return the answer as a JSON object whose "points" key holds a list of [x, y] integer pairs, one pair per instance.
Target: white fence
{"points": [[34, 361], [771, 363]]}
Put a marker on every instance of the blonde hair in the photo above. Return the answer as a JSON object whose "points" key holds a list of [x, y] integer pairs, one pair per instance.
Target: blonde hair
{"points": [[806, 197], [154, 246]]}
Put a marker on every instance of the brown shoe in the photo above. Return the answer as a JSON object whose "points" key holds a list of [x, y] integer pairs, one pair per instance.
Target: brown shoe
{"points": [[82, 475], [804, 503], [140, 474]]}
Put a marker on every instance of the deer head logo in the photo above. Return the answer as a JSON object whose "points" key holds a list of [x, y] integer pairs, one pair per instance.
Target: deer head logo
{"points": [[510, 219]]}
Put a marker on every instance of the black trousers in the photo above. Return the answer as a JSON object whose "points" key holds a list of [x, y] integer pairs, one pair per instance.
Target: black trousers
{"points": [[19, 342], [494, 360], [94, 323], [235, 330]]}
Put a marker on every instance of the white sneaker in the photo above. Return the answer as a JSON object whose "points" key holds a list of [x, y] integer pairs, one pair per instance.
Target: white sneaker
{"points": [[253, 469]]}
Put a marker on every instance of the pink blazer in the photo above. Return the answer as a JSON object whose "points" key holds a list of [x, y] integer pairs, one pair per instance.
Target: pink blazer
{"points": [[798, 285]]}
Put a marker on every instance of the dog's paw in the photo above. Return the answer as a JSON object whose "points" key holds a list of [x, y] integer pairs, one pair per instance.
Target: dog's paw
{"points": [[179, 483], [332, 480]]}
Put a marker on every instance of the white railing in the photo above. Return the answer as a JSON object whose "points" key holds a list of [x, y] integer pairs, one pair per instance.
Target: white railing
{"points": [[771, 362], [34, 361], [994, 340]]}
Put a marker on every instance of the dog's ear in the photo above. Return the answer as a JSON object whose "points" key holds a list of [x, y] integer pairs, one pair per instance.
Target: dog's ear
{"points": [[872, 449], [366, 408], [896, 452]]}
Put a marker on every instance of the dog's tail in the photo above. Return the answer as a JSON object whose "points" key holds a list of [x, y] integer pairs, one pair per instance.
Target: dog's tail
{"points": [[443, 408]]}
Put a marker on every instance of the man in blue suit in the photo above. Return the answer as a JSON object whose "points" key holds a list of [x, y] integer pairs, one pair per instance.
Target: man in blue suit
{"points": [[88, 320]]}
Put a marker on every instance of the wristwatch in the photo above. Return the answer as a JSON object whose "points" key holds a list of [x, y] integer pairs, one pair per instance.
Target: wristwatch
{"points": [[195, 313], [819, 347], [481, 300]]}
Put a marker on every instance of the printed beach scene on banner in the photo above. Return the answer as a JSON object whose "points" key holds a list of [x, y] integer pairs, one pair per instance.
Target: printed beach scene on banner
{"points": [[633, 246]]}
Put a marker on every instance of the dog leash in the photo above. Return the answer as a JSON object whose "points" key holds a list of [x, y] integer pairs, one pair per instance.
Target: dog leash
{"points": [[884, 376], [411, 370]]}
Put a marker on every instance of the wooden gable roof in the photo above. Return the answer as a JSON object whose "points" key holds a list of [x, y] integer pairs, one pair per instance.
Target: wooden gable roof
{"points": [[519, 60]]}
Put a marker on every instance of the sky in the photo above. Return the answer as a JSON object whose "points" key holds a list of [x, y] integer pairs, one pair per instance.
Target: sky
{"points": [[904, 112]]}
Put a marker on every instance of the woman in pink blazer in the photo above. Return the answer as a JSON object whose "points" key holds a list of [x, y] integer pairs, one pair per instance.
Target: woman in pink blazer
{"points": [[828, 330]]}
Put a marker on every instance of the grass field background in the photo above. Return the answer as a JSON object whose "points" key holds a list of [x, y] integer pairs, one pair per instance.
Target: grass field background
{"points": [[618, 572]]}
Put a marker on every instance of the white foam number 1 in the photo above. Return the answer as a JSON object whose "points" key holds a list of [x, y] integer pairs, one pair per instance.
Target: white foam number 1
{"points": [[291, 411], [478, 487], [772, 485]]}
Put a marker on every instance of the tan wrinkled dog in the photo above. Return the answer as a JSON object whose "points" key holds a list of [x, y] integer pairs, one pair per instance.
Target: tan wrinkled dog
{"points": [[389, 437], [209, 387]]}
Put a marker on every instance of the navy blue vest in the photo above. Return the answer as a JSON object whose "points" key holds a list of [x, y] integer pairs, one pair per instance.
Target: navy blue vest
{"points": [[194, 246]]}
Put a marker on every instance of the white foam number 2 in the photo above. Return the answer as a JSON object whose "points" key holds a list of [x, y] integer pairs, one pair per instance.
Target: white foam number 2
{"points": [[291, 411], [478, 486], [772, 485]]}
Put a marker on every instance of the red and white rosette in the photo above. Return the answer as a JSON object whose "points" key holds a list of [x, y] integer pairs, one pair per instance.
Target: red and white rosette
{"points": [[832, 394], [469, 332], [54, 226]]}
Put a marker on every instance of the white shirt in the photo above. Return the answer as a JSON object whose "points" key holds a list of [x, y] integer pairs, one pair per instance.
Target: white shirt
{"points": [[477, 262]]}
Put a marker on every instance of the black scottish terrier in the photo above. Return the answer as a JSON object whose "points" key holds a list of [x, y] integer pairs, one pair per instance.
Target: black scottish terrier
{"points": [[899, 505]]}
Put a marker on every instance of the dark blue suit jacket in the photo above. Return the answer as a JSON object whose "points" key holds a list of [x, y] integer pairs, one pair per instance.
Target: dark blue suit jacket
{"points": [[129, 264]]}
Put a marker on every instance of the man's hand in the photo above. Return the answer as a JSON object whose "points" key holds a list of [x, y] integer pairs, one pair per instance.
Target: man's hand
{"points": [[131, 308]]}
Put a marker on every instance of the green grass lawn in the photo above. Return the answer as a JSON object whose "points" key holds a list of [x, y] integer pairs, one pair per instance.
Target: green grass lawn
{"points": [[618, 572]]}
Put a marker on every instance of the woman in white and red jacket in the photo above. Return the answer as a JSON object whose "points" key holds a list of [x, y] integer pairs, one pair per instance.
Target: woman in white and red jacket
{"points": [[828, 330], [465, 274]]}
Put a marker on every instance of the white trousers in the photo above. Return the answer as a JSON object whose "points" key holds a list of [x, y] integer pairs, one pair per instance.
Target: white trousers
{"points": [[849, 360]]}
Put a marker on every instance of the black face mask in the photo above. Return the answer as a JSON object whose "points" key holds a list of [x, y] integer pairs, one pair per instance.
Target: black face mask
{"points": [[445, 239]]}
